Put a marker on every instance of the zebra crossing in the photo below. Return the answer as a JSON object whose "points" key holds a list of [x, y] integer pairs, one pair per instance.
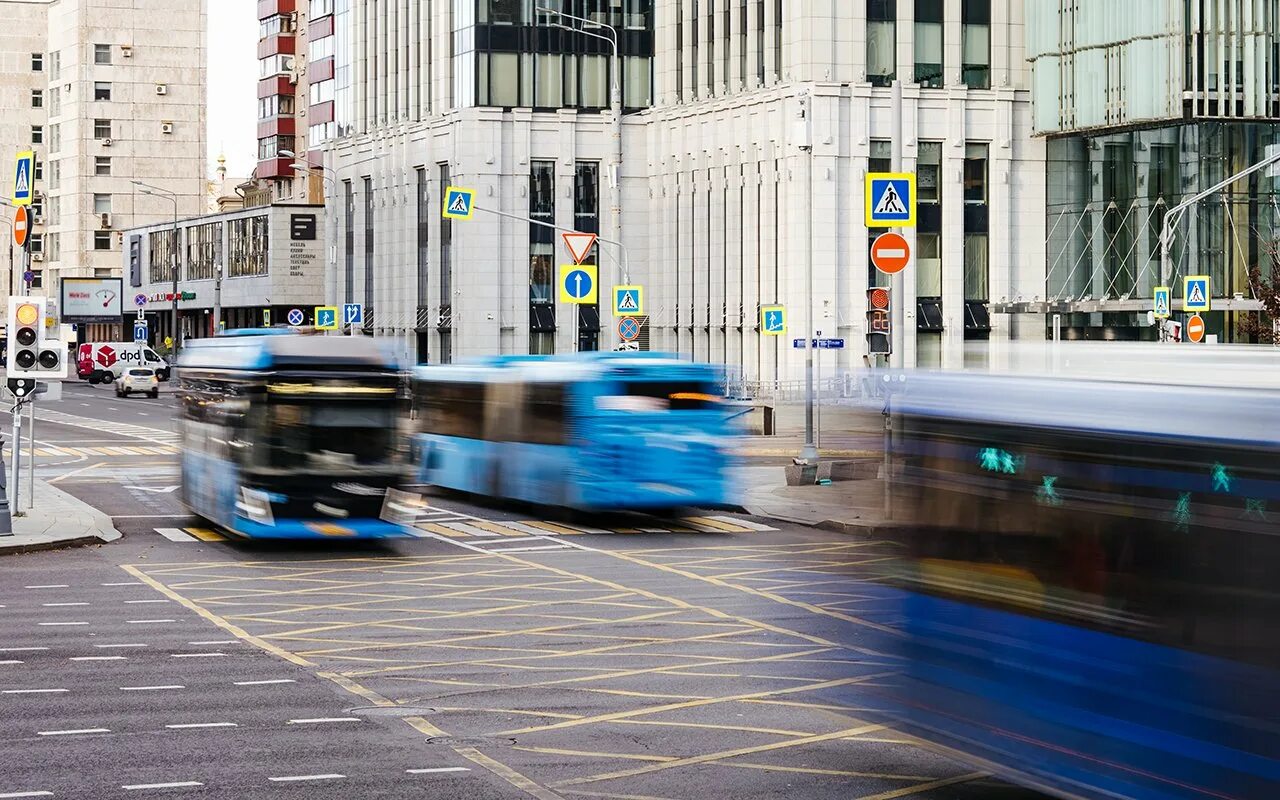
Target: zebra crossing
{"points": [[444, 524], [154, 436], [57, 451]]}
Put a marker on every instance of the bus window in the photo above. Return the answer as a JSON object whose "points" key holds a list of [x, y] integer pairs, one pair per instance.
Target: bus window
{"points": [[449, 408], [313, 435], [661, 396], [543, 420]]}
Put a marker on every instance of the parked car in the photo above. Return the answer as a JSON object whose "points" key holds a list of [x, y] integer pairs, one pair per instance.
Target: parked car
{"points": [[138, 379]]}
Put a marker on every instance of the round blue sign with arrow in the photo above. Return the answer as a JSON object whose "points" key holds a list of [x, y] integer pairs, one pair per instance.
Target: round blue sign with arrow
{"points": [[578, 284]]}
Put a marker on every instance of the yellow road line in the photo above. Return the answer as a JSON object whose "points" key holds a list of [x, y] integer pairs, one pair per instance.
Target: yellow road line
{"points": [[493, 527], [924, 787], [442, 530], [551, 526], [510, 775], [206, 535], [716, 524], [707, 757]]}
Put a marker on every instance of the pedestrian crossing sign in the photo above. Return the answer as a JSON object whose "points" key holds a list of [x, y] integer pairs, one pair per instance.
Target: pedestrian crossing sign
{"points": [[1195, 293], [459, 203], [1162, 303], [628, 301], [891, 200], [23, 178]]}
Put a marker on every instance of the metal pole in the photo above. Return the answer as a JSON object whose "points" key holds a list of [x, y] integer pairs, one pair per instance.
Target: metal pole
{"points": [[16, 457], [217, 298], [31, 451], [896, 282], [177, 327], [809, 452]]}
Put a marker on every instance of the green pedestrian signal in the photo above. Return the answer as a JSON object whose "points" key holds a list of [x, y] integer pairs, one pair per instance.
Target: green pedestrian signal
{"points": [[1221, 479], [1047, 494], [1182, 513]]}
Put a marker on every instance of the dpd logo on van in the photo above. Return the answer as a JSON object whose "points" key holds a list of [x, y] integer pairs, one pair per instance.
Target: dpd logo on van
{"points": [[106, 356]]}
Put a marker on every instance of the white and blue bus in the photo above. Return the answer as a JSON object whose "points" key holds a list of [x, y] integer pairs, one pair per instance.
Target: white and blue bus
{"points": [[590, 431], [291, 436]]}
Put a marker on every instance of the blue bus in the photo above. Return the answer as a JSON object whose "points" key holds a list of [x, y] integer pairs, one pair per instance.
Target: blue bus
{"points": [[291, 436], [590, 431], [1087, 589]]}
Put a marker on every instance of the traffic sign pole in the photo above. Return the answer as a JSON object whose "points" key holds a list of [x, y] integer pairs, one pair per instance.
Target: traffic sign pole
{"points": [[897, 282]]}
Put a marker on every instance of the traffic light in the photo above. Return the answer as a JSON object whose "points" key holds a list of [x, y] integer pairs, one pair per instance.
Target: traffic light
{"points": [[31, 353], [879, 322]]}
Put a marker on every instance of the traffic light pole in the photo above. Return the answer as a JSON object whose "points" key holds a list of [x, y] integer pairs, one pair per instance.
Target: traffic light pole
{"points": [[15, 505], [31, 454]]}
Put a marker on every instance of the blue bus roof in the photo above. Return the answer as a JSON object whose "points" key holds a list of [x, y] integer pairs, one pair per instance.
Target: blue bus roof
{"points": [[574, 366], [258, 352]]}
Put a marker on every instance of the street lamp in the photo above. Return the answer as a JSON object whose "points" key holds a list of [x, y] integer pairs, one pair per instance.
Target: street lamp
{"points": [[156, 191], [615, 109]]}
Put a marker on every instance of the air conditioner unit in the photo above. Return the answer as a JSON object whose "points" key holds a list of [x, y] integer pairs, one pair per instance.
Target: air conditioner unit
{"points": [[37, 256], [106, 220], [166, 127], [126, 50], [106, 142], [162, 88]]}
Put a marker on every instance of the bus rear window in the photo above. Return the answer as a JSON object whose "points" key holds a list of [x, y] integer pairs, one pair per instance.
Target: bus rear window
{"points": [[661, 396]]}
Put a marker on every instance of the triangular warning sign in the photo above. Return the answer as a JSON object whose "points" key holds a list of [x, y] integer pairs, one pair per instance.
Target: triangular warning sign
{"points": [[890, 203], [628, 302], [22, 184], [458, 205], [1195, 293], [579, 245]]}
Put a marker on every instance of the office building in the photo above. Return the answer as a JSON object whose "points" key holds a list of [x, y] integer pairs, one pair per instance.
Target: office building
{"points": [[715, 209], [1144, 107]]}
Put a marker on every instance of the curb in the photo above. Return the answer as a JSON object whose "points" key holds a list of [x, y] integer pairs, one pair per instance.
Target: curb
{"points": [[36, 547]]}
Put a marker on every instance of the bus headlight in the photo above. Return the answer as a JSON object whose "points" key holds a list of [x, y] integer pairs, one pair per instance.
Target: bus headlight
{"points": [[256, 505]]}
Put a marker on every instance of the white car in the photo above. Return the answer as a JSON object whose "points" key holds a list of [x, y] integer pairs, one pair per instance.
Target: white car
{"points": [[138, 379]]}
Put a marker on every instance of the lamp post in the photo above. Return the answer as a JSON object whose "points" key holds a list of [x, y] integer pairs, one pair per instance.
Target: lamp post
{"points": [[156, 191], [615, 110]]}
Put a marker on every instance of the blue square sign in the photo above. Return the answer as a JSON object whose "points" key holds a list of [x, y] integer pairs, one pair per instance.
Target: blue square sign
{"points": [[352, 314], [890, 200]]}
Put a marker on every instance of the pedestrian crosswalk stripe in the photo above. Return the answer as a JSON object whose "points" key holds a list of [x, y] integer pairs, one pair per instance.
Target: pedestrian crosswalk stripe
{"points": [[175, 534], [494, 528], [744, 523], [206, 535], [551, 527], [715, 524], [442, 530], [463, 527]]}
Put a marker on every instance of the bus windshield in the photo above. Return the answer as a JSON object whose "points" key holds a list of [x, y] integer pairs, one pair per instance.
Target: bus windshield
{"points": [[329, 435], [648, 396]]}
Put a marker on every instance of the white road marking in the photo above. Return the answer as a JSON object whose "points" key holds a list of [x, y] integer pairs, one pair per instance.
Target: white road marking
{"points": [[175, 785], [109, 646], [264, 683], [175, 534], [125, 583], [147, 621], [526, 549], [99, 658], [10, 662], [323, 719], [330, 777], [49, 586], [21, 649], [34, 691], [218, 641], [437, 769], [137, 602], [26, 794], [62, 605], [73, 733], [744, 523], [151, 688], [55, 624], [203, 725], [197, 655]]}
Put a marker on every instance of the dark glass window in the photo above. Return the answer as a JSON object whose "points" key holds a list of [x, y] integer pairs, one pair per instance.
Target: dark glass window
{"points": [[975, 44], [882, 41], [368, 243], [349, 241], [928, 45], [424, 218]]}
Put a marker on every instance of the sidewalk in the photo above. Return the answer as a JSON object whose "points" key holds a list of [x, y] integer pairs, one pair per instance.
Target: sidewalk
{"points": [[845, 506], [57, 520]]}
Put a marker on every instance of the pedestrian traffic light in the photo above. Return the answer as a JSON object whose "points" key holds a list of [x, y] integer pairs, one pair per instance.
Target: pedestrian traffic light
{"points": [[879, 322], [31, 353]]}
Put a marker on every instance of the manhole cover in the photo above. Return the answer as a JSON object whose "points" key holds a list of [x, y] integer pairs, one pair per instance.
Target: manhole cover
{"points": [[391, 711], [471, 741]]}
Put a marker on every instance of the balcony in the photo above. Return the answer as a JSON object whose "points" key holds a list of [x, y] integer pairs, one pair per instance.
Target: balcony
{"points": [[269, 8], [277, 44], [275, 85], [277, 126], [274, 168]]}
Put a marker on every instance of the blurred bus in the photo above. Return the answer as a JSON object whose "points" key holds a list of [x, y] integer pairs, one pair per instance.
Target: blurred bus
{"points": [[291, 436], [1088, 584], [591, 431]]}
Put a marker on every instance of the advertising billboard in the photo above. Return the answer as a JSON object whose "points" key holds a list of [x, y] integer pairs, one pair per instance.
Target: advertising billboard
{"points": [[90, 299]]}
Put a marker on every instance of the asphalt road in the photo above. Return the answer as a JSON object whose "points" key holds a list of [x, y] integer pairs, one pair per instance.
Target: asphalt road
{"points": [[503, 653]]}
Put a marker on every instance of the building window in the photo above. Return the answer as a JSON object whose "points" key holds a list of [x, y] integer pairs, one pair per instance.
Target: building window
{"points": [[882, 41], [37, 98], [319, 8], [55, 102], [586, 218], [102, 240], [929, 43], [37, 134], [203, 243], [975, 174], [976, 273], [37, 170], [37, 243], [55, 65], [102, 165], [55, 137], [975, 44], [247, 243], [102, 129], [101, 90], [928, 259], [102, 204], [424, 228], [368, 242], [929, 172], [102, 54], [37, 62], [162, 254], [349, 241], [542, 208], [37, 208]]}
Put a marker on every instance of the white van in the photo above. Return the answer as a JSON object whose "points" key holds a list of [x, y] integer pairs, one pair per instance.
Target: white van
{"points": [[103, 362]]}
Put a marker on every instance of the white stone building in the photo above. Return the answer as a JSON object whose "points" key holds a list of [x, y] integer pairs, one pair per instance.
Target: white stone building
{"points": [[483, 94], [122, 97]]}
